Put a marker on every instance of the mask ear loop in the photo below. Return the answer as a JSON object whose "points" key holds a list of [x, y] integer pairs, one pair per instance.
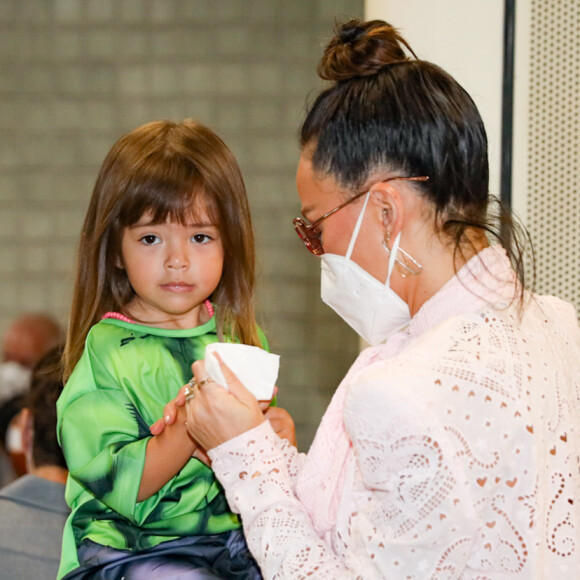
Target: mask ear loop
{"points": [[357, 227]]}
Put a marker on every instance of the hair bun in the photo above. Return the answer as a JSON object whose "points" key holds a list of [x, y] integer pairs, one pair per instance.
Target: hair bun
{"points": [[361, 49]]}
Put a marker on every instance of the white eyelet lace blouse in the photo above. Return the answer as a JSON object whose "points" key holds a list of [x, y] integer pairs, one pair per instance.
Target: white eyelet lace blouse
{"points": [[451, 451]]}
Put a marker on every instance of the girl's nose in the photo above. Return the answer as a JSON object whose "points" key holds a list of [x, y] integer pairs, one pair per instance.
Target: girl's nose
{"points": [[177, 259]]}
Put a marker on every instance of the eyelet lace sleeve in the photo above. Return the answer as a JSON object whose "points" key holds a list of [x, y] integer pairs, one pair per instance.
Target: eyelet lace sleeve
{"points": [[258, 471], [460, 461], [450, 452]]}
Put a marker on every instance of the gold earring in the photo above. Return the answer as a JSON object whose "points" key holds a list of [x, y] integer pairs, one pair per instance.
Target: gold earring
{"points": [[408, 264]]}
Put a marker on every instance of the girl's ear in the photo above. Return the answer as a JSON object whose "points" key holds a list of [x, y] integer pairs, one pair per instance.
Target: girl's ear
{"points": [[119, 263], [388, 201]]}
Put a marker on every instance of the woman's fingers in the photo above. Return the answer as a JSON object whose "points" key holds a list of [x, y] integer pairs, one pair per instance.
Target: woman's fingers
{"points": [[235, 386], [214, 414]]}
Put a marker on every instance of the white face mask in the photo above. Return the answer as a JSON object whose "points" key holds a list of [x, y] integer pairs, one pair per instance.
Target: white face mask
{"points": [[14, 379], [374, 310]]}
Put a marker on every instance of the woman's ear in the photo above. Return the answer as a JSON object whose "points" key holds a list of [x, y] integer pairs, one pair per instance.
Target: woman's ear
{"points": [[388, 201]]}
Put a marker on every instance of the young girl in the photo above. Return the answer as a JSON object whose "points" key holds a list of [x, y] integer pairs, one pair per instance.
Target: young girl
{"points": [[165, 267]]}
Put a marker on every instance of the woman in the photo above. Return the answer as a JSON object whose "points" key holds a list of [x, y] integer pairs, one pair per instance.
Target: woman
{"points": [[451, 448]]}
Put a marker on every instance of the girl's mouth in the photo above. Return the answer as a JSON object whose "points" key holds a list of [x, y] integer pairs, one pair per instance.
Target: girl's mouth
{"points": [[177, 287]]}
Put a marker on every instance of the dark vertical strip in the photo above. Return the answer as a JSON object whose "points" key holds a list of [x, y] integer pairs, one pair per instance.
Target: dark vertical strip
{"points": [[507, 113], [507, 120]]}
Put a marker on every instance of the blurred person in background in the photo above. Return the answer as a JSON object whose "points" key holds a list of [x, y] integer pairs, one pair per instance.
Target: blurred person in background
{"points": [[32, 508], [26, 340]]}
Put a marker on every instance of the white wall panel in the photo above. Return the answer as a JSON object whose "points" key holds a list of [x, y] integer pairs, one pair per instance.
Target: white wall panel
{"points": [[465, 37], [547, 140]]}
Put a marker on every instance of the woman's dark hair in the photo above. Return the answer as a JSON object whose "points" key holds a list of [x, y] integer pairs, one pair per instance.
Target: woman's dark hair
{"points": [[388, 112]]}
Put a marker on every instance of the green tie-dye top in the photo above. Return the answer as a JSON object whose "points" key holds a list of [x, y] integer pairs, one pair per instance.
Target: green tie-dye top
{"points": [[125, 376]]}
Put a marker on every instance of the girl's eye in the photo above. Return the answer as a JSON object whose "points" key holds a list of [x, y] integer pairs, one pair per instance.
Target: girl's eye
{"points": [[201, 238], [150, 239]]}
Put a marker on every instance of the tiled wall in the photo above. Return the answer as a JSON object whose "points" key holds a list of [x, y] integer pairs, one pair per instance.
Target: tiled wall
{"points": [[76, 74]]}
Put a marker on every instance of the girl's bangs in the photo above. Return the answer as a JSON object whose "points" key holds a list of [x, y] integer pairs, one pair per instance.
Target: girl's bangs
{"points": [[168, 200]]}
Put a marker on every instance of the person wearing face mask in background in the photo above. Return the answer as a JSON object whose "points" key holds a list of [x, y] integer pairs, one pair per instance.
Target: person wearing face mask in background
{"points": [[26, 340], [451, 448], [33, 510]]}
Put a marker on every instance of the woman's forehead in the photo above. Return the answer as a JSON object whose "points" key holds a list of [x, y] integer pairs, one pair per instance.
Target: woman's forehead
{"points": [[315, 190]]}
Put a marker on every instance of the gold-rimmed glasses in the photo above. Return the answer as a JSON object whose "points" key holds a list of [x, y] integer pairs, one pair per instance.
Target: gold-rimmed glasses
{"points": [[309, 233]]}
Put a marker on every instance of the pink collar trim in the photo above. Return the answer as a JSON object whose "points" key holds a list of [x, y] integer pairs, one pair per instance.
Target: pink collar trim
{"points": [[117, 316], [123, 318]]}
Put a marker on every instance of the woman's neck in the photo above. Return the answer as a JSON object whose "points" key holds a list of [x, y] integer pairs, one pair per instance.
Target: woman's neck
{"points": [[440, 264]]}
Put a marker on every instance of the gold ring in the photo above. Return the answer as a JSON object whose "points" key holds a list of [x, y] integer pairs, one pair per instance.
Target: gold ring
{"points": [[190, 390], [205, 381]]}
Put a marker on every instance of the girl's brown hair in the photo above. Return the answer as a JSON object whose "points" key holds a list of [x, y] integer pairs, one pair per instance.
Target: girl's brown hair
{"points": [[171, 170]]}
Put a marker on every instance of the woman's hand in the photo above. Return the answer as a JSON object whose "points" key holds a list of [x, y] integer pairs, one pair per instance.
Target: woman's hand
{"points": [[171, 410], [279, 418], [216, 415]]}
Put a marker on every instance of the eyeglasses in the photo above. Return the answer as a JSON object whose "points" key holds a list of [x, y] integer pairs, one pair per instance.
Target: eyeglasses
{"points": [[309, 233]]}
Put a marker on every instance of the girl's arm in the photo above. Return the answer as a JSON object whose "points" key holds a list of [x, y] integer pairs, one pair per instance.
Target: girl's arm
{"points": [[165, 456], [108, 448], [280, 420]]}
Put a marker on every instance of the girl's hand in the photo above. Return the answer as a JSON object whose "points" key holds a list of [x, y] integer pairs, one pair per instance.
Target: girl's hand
{"points": [[200, 454], [216, 415], [282, 424], [169, 413]]}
